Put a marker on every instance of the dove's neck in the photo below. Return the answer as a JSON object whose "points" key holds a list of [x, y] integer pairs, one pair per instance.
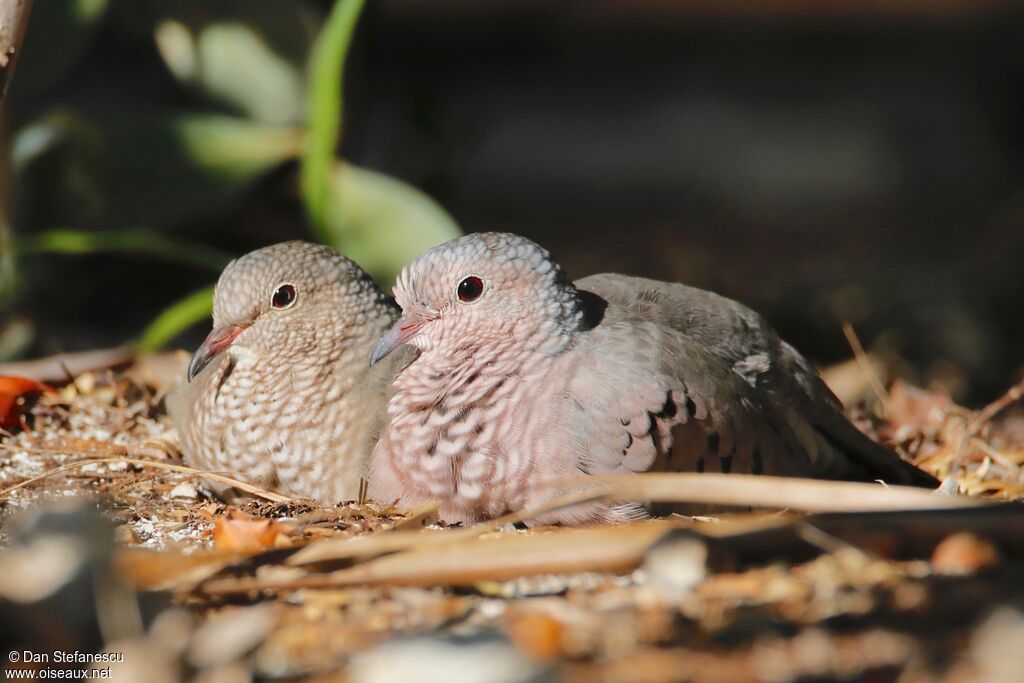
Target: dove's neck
{"points": [[446, 422], [456, 408], [464, 373], [567, 314]]}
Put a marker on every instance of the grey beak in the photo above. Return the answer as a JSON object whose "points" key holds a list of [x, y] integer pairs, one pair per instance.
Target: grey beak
{"points": [[215, 344], [405, 329]]}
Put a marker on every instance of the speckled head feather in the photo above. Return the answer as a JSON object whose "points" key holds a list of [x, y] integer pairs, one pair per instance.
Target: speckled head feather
{"points": [[523, 289], [327, 286], [280, 394]]}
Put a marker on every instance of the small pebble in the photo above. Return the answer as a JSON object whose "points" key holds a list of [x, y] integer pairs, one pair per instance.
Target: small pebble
{"points": [[964, 553], [184, 490]]}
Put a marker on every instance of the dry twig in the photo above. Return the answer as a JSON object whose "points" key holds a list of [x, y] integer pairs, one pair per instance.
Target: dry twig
{"points": [[181, 469], [977, 423], [865, 365], [756, 490]]}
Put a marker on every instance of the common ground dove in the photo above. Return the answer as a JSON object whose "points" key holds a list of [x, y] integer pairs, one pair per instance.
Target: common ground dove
{"points": [[524, 376], [280, 394]]}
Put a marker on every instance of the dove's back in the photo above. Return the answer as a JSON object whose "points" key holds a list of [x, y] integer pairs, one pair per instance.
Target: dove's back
{"points": [[678, 378]]}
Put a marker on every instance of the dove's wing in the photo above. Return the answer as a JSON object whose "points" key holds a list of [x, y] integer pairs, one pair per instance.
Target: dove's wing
{"points": [[645, 398], [692, 381]]}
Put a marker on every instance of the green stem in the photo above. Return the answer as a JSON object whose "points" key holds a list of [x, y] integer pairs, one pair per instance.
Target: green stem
{"points": [[175, 319], [327, 69]]}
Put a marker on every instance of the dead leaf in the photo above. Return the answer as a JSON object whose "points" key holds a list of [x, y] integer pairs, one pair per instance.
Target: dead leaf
{"points": [[914, 411], [536, 633], [155, 570], [500, 557], [238, 532], [14, 391]]}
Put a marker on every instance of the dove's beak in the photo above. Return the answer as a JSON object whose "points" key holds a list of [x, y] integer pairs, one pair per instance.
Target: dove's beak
{"points": [[405, 329], [218, 340]]}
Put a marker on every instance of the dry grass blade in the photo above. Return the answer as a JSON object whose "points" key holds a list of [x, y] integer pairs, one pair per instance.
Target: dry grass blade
{"points": [[1012, 395], [425, 515], [398, 538], [64, 366], [807, 495], [528, 514], [978, 422], [865, 363], [181, 469], [153, 570], [606, 549], [749, 490], [373, 545]]}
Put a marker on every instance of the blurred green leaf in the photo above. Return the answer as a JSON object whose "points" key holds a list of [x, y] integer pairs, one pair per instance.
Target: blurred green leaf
{"points": [[380, 222], [133, 241], [327, 70], [8, 268], [16, 334], [58, 34], [232, 149], [180, 316], [120, 167], [247, 55]]}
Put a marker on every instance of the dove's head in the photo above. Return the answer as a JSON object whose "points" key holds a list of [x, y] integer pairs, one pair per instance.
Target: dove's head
{"points": [[289, 301], [482, 289]]}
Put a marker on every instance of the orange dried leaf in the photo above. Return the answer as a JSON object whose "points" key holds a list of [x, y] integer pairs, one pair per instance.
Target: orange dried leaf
{"points": [[238, 532], [537, 634], [13, 391]]}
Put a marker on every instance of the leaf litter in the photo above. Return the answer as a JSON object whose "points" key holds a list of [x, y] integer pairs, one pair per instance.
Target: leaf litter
{"points": [[816, 580]]}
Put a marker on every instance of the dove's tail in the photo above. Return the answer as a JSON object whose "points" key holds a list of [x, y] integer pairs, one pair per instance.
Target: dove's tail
{"points": [[868, 459], [879, 462]]}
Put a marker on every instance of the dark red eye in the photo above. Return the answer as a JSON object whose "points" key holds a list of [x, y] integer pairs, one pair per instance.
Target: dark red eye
{"points": [[470, 289], [284, 296]]}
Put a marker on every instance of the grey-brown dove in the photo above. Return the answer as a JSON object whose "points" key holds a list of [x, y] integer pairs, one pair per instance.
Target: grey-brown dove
{"points": [[280, 394], [523, 376]]}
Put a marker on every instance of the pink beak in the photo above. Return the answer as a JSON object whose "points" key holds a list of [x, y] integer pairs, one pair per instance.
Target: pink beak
{"points": [[407, 327], [218, 340]]}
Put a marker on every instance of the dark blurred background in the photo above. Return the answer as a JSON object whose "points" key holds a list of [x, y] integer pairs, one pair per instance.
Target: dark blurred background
{"points": [[820, 161]]}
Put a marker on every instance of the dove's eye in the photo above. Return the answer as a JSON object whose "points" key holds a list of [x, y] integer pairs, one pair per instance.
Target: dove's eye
{"points": [[283, 297], [470, 289]]}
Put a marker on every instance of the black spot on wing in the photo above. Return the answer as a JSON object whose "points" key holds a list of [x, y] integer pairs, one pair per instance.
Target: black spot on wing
{"points": [[593, 308], [691, 407], [757, 461], [727, 463], [669, 409]]}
